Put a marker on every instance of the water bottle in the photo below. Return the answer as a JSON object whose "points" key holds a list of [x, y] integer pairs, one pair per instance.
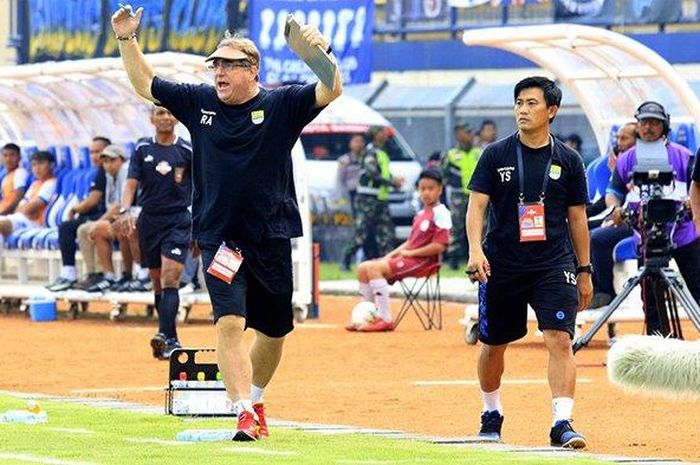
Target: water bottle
{"points": [[23, 416], [204, 435]]}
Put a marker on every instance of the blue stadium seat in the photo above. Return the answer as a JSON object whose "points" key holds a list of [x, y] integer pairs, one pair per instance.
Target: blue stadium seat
{"points": [[598, 176], [84, 155], [685, 136]]}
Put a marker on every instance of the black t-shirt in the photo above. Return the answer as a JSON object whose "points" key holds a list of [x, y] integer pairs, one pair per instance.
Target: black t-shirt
{"points": [[496, 175], [98, 183], [163, 172], [242, 165]]}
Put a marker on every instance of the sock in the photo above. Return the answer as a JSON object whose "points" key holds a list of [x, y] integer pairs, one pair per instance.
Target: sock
{"points": [[142, 274], [366, 292], [562, 408], [243, 404], [109, 275], [492, 401], [256, 393], [380, 289], [68, 272], [167, 312]]}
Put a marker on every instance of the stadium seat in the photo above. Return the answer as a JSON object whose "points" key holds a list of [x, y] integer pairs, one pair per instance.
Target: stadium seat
{"points": [[422, 295]]}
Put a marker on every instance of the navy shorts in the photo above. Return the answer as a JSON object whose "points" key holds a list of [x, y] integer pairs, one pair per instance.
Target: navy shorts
{"points": [[503, 302], [261, 291], [166, 235]]}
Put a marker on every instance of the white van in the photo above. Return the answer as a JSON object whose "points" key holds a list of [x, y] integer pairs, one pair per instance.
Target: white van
{"points": [[327, 137]]}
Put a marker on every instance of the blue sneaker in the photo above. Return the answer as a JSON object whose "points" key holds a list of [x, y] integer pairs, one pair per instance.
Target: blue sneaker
{"points": [[170, 345], [491, 423], [563, 435]]}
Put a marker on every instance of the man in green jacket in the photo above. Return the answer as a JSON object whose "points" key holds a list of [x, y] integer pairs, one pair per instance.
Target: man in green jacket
{"points": [[458, 166]]}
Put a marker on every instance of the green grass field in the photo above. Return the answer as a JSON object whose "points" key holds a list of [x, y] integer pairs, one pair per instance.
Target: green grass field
{"points": [[84, 435]]}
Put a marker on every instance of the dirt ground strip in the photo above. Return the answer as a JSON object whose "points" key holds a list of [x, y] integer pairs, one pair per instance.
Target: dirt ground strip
{"points": [[372, 380]]}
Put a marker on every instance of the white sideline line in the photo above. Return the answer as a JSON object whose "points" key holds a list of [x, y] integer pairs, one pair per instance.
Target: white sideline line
{"points": [[72, 430], [119, 389], [160, 442], [256, 450], [474, 382], [45, 460]]}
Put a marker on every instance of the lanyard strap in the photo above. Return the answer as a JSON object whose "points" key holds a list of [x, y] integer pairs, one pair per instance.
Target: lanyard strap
{"points": [[521, 172]]}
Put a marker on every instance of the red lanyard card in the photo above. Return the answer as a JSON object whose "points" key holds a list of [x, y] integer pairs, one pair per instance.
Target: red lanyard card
{"points": [[531, 221], [225, 264]]}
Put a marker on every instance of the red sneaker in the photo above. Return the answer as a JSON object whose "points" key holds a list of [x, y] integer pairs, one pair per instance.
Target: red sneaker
{"points": [[351, 327], [247, 430], [259, 410], [377, 326]]}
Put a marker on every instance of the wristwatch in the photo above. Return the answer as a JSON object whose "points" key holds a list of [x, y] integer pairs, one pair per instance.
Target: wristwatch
{"points": [[584, 269], [122, 211]]}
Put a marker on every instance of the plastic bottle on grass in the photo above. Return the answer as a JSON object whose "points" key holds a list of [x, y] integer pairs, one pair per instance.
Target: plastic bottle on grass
{"points": [[204, 435], [23, 416]]}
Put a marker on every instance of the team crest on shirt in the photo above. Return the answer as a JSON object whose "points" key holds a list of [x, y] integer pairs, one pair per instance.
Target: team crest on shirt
{"points": [[164, 168], [257, 116], [555, 172], [424, 225], [179, 173]]}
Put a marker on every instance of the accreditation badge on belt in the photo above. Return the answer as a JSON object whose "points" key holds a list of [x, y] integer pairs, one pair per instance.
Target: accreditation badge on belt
{"points": [[179, 173], [531, 222], [226, 263]]}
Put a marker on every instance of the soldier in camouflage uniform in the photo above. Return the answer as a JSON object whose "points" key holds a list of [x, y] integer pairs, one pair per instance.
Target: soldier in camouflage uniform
{"points": [[372, 199], [458, 166]]}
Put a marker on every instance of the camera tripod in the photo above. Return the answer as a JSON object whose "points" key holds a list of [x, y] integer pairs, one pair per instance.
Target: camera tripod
{"points": [[657, 272]]}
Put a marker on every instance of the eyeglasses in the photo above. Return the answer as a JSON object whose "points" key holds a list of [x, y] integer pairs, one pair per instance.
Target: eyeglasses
{"points": [[228, 65]]}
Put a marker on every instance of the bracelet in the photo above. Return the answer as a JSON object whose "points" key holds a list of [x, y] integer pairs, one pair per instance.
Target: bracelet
{"points": [[125, 38]]}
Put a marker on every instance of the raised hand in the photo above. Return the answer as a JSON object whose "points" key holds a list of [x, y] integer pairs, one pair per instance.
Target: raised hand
{"points": [[125, 21], [313, 36]]}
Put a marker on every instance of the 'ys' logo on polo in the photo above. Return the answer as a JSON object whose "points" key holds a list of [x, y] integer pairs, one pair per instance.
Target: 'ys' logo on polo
{"points": [[257, 116], [555, 172]]}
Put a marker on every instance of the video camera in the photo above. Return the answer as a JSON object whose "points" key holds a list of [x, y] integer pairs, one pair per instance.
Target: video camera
{"points": [[650, 175]]}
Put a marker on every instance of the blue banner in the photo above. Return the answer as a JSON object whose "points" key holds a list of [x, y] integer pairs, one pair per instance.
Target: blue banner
{"points": [[71, 29], [347, 24]]}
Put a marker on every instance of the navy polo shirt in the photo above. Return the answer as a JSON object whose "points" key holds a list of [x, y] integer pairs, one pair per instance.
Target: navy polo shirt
{"points": [[163, 172], [496, 175], [242, 165], [98, 183]]}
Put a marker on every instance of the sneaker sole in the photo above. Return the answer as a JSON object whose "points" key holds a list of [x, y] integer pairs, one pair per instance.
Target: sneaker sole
{"points": [[243, 436], [491, 437], [158, 347], [575, 443]]}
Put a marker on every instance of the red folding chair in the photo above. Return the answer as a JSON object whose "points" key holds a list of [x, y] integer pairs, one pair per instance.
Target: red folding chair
{"points": [[422, 295]]}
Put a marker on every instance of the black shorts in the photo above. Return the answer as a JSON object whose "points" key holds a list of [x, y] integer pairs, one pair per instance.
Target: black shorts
{"points": [[261, 291], [504, 298], [166, 235]]}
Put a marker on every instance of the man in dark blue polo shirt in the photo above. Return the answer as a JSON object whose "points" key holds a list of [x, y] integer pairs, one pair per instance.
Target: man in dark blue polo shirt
{"points": [[161, 167], [244, 204], [535, 189]]}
